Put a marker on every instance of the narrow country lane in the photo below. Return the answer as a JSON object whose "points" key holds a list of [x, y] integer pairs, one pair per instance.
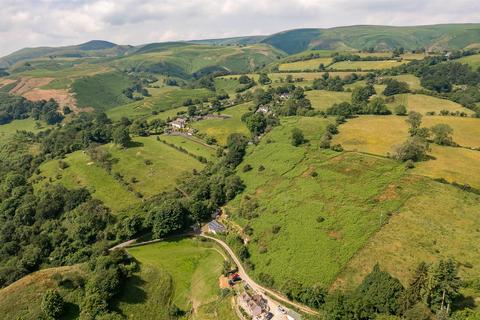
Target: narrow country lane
{"points": [[243, 274]]}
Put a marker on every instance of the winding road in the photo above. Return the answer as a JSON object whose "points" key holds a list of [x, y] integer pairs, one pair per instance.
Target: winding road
{"points": [[255, 286]]}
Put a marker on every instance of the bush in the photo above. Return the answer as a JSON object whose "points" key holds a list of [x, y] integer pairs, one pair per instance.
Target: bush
{"points": [[297, 137], [400, 110], [247, 168], [52, 304]]}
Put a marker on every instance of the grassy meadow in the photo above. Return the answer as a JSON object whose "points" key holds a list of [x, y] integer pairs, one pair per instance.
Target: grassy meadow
{"points": [[422, 103], [313, 64], [28, 124], [324, 218], [180, 272], [437, 221], [220, 129], [192, 145], [322, 99], [473, 61], [366, 65], [22, 299], [380, 134]]}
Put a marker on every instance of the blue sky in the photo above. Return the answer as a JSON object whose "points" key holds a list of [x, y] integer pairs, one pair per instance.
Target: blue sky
{"points": [[31, 23]]}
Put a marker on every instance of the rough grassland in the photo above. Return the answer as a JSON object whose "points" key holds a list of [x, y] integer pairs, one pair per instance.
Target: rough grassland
{"points": [[167, 164], [350, 191], [82, 172], [312, 64], [473, 61], [192, 145], [466, 131], [19, 125], [423, 104], [181, 272], [365, 65], [22, 299], [379, 135], [439, 221], [322, 100], [162, 99], [220, 129]]}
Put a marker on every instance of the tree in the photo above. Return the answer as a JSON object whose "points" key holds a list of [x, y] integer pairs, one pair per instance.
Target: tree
{"points": [[442, 134], [395, 87], [415, 121], [52, 304], [417, 286], [415, 149], [121, 136], [264, 79], [167, 217], [361, 95], [244, 79], [400, 110], [53, 117], [236, 145], [192, 110], [381, 291], [297, 137], [377, 106], [255, 122], [443, 284]]}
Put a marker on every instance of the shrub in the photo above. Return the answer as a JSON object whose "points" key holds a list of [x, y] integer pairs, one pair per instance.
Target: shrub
{"points": [[52, 304], [247, 168], [297, 137], [400, 110]]}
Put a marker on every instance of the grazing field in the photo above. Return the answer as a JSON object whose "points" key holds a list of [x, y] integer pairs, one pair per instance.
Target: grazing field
{"points": [[453, 164], [438, 221], [413, 81], [413, 56], [20, 125], [192, 145], [22, 299], [179, 272], [102, 91], [162, 99], [323, 218], [220, 129], [422, 103], [82, 172], [365, 65], [313, 64], [473, 61], [379, 135], [154, 165], [227, 84], [322, 100]]}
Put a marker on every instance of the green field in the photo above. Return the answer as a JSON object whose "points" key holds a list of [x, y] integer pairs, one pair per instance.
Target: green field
{"points": [[347, 192], [167, 164], [365, 65], [82, 172], [168, 114], [412, 81], [162, 99], [181, 272], [438, 221], [313, 64], [101, 91], [220, 129], [473, 61], [23, 298], [322, 100], [20, 125], [192, 145]]}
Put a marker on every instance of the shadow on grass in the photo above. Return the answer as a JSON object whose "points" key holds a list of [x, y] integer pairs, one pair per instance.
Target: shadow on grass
{"points": [[134, 144], [72, 311]]}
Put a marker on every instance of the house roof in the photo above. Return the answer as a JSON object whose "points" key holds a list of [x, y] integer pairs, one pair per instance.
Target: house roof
{"points": [[216, 226]]}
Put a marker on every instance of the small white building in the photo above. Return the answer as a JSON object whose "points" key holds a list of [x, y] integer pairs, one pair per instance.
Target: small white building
{"points": [[179, 123]]}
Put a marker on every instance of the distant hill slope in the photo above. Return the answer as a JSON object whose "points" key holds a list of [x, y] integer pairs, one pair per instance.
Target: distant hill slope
{"points": [[95, 48], [435, 37]]}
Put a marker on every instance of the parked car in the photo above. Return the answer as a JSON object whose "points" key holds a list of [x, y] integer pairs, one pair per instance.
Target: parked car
{"points": [[268, 316]]}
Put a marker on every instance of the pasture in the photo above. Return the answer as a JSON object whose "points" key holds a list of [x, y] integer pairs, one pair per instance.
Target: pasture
{"points": [[162, 99], [324, 218], [178, 272], [422, 103], [379, 135], [437, 221], [322, 99], [365, 65], [21, 125], [412, 81], [192, 145], [220, 129], [22, 299], [82, 172], [313, 64], [473, 61], [153, 165]]}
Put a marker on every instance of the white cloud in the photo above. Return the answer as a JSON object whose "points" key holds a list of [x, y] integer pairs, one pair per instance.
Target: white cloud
{"points": [[27, 23]]}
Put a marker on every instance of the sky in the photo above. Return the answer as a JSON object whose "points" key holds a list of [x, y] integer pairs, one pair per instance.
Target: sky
{"points": [[32, 23]]}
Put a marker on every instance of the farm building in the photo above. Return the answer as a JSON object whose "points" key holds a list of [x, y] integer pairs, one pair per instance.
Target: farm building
{"points": [[178, 123], [215, 227], [292, 315], [256, 305]]}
